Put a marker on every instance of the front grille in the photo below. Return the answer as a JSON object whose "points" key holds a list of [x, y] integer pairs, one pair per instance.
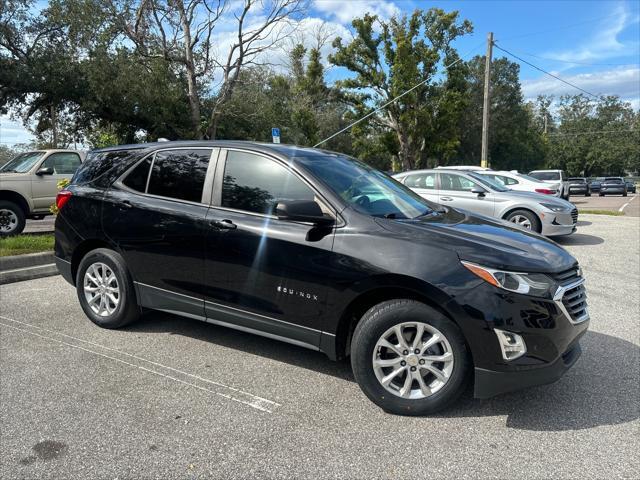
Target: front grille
{"points": [[575, 301], [566, 277], [574, 215]]}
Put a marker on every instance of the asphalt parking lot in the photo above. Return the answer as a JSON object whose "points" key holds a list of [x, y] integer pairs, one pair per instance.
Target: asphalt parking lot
{"points": [[174, 398], [629, 205]]}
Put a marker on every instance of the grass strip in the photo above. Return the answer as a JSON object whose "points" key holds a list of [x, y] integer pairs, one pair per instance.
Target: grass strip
{"points": [[21, 244]]}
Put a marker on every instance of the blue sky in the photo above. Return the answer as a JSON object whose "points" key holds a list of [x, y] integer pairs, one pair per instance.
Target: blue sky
{"points": [[593, 44]]}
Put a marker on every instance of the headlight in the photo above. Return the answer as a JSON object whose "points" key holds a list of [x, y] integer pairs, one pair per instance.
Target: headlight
{"points": [[536, 284], [554, 208]]}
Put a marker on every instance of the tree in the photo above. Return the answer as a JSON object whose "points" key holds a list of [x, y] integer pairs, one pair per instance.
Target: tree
{"points": [[405, 54]]}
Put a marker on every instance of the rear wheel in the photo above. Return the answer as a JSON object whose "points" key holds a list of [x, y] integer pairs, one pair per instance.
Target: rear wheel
{"points": [[12, 219], [601, 194], [408, 358], [624, 194], [526, 219], [105, 289]]}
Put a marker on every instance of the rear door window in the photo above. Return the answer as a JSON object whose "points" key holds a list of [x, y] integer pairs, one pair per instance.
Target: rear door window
{"points": [[457, 183], [421, 180]]}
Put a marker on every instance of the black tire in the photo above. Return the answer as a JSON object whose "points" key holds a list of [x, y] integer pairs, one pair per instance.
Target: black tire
{"points": [[587, 194], [12, 219], [378, 320], [601, 194], [536, 225], [624, 194], [127, 309]]}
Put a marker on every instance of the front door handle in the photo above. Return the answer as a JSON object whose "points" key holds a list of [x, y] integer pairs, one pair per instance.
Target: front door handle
{"points": [[126, 204], [224, 224], [446, 199]]}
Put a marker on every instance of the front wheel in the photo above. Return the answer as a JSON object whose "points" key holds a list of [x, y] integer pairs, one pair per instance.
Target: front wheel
{"points": [[526, 219], [408, 358], [624, 194], [105, 289], [587, 194], [12, 219]]}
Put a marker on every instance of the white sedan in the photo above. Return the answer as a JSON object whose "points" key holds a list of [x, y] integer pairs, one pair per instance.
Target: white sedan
{"points": [[521, 182]]}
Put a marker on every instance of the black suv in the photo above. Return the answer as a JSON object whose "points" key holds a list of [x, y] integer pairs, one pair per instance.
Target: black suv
{"points": [[317, 249], [579, 186]]}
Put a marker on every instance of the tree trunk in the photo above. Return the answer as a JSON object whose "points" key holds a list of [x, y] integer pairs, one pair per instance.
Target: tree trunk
{"points": [[54, 126], [192, 85], [405, 155]]}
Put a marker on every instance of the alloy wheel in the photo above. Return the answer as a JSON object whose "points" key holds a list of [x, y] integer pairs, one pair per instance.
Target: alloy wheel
{"points": [[101, 289], [413, 360], [522, 221], [8, 221]]}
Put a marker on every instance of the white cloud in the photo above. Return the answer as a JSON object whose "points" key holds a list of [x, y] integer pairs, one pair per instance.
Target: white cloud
{"points": [[12, 132], [624, 82], [345, 11], [605, 43]]}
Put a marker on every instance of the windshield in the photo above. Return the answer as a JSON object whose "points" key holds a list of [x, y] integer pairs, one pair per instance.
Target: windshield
{"points": [[365, 189], [488, 182], [22, 163], [577, 180], [545, 176]]}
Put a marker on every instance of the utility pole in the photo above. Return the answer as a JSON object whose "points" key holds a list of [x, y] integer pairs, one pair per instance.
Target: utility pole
{"points": [[484, 162]]}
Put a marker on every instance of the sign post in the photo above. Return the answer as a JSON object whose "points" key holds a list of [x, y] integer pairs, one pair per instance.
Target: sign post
{"points": [[275, 134]]}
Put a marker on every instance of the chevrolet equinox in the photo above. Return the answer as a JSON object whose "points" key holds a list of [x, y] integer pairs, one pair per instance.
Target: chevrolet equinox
{"points": [[319, 250]]}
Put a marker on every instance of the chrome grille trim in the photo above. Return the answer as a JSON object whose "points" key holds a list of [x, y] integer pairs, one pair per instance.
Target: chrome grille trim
{"points": [[574, 215], [574, 305]]}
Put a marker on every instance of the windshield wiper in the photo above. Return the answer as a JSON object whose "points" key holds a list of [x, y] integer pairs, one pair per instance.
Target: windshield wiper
{"points": [[390, 215], [8, 171]]}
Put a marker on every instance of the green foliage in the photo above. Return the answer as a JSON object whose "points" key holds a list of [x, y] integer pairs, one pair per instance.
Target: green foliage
{"points": [[21, 244]]}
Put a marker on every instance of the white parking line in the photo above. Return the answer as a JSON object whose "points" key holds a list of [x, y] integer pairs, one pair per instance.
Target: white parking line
{"points": [[253, 401], [621, 209]]}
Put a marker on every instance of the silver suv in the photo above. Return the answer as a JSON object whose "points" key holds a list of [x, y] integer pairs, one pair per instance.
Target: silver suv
{"points": [[28, 185], [471, 191]]}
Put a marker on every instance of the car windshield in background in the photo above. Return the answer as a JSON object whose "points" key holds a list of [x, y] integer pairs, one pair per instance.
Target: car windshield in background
{"points": [[613, 180], [527, 177], [21, 163], [577, 180], [366, 189], [545, 176], [489, 182]]}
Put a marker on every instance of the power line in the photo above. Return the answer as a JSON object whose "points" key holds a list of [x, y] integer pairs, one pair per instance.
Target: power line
{"points": [[544, 71], [376, 110], [579, 63], [560, 134], [555, 29]]}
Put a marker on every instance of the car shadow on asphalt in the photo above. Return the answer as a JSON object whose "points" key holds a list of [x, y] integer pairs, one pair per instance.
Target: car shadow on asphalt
{"points": [[601, 389], [578, 239]]}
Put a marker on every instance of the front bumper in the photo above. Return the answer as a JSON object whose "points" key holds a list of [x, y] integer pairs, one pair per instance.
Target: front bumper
{"points": [[550, 330], [556, 224], [489, 383]]}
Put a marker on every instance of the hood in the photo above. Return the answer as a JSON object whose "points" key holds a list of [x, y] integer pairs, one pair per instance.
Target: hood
{"points": [[4, 176], [541, 197], [484, 240]]}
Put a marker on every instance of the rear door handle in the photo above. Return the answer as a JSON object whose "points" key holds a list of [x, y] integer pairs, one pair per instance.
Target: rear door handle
{"points": [[446, 199], [224, 224]]}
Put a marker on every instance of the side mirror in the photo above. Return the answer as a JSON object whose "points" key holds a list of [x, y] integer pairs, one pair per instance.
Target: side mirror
{"points": [[301, 211], [45, 171], [479, 191]]}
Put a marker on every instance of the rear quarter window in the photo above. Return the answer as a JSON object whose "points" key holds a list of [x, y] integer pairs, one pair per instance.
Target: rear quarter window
{"points": [[102, 168]]}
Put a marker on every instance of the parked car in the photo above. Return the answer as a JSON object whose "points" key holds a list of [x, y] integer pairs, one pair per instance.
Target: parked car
{"points": [[613, 186], [480, 194], [319, 250], [631, 186], [522, 182], [595, 184], [554, 177], [28, 185], [579, 186], [473, 168]]}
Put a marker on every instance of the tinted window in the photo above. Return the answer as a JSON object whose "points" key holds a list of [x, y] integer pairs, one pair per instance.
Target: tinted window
{"points": [[64, 163], [450, 181], [421, 180], [137, 179], [613, 180], [179, 174], [104, 167], [255, 184], [365, 189], [545, 176]]}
